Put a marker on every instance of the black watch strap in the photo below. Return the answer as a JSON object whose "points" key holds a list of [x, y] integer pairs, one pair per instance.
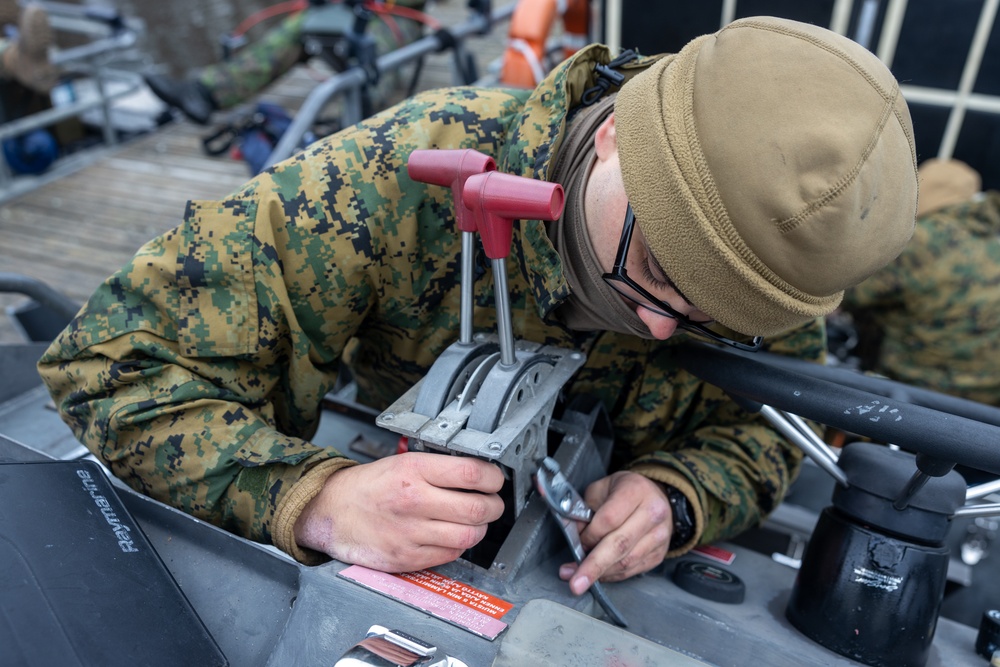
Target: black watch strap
{"points": [[683, 518]]}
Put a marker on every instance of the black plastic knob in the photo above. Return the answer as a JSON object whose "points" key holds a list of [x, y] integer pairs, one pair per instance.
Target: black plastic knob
{"points": [[709, 582]]}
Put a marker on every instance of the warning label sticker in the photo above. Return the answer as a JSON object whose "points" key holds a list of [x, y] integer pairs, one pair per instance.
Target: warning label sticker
{"points": [[442, 597], [458, 591]]}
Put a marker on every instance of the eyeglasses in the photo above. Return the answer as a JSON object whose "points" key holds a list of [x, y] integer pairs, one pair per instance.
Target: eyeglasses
{"points": [[628, 288]]}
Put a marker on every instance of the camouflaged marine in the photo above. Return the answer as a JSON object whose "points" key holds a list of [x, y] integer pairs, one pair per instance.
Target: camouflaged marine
{"points": [[247, 72], [251, 69], [24, 53], [196, 373], [937, 307]]}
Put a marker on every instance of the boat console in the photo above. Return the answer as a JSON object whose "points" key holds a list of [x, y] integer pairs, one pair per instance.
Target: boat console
{"points": [[867, 590]]}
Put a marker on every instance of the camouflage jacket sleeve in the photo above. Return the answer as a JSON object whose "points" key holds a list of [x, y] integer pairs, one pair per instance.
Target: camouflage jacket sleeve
{"points": [[162, 376], [197, 372]]}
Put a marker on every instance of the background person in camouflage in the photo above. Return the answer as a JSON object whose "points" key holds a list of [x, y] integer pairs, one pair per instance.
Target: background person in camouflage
{"points": [[936, 308], [24, 57], [196, 373], [245, 74]]}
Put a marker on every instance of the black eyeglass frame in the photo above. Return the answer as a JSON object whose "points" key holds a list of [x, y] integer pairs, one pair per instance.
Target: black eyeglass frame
{"points": [[618, 274]]}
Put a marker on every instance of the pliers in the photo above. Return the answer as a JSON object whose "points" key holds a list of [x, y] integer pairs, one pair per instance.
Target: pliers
{"points": [[568, 507]]}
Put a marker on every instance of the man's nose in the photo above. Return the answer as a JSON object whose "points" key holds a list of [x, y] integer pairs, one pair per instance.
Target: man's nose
{"points": [[660, 326]]}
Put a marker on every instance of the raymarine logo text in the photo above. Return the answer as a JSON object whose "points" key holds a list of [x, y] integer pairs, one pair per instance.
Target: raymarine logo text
{"points": [[122, 532]]}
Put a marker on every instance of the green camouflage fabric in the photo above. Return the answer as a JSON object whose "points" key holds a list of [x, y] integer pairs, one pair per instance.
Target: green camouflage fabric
{"points": [[241, 77], [196, 372], [938, 305]]}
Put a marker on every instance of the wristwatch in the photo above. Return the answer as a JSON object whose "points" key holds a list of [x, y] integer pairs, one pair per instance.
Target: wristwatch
{"points": [[683, 518]]}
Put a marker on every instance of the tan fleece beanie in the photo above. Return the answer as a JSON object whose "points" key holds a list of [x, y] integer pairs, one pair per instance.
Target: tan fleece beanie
{"points": [[945, 182], [770, 166]]}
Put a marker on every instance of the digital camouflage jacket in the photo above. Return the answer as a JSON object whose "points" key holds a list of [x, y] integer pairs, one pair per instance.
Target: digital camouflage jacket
{"points": [[937, 306], [196, 372], [243, 75]]}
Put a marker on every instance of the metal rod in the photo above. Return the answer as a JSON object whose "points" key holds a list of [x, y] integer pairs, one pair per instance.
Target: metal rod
{"points": [[468, 250], [969, 73], [819, 455], [982, 490], [947, 98], [61, 305], [502, 299], [821, 446], [116, 42], [54, 115], [613, 29], [917, 482], [866, 23], [891, 26], [841, 16], [108, 130], [992, 509], [728, 13]]}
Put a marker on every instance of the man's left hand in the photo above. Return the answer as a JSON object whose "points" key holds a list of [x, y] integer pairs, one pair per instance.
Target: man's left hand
{"points": [[629, 534]]}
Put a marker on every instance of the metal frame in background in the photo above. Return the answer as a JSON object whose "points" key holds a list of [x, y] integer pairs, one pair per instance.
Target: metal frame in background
{"points": [[350, 82], [110, 35], [959, 100]]}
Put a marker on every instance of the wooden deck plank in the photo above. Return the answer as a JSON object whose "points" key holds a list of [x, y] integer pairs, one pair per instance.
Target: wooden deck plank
{"points": [[89, 239]]}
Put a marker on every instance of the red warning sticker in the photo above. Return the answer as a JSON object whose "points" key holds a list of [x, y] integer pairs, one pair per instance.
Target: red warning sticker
{"points": [[460, 592], [443, 597], [717, 554]]}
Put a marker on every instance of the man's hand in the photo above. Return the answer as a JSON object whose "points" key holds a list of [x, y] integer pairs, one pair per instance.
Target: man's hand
{"points": [[629, 534], [404, 512]]}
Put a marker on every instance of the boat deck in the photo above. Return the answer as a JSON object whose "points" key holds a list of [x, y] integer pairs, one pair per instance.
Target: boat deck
{"points": [[71, 232]]}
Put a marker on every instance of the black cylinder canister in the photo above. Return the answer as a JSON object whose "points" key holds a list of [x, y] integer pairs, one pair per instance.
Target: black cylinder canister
{"points": [[866, 596], [873, 575]]}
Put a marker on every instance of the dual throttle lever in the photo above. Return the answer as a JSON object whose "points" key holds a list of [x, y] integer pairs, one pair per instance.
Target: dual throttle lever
{"points": [[486, 201], [474, 400], [483, 396]]}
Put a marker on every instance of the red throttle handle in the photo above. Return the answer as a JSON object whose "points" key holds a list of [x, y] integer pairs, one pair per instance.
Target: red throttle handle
{"points": [[450, 167], [498, 199]]}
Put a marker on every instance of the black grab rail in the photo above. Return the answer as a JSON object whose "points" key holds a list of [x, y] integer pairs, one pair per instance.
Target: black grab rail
{"points": [[836, 400]]}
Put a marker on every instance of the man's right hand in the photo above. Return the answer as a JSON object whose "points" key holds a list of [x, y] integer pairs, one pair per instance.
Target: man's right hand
{"points": [[404, 512]]}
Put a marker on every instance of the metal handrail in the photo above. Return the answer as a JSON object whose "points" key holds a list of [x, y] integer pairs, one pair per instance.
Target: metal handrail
{"points": [[835, 400], [48, 117], [881, 386], [58, 303], [353, 79], [118, 39]]}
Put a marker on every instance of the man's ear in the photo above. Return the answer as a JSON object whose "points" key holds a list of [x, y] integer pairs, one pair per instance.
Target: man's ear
{"points": [[606, 139]]}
